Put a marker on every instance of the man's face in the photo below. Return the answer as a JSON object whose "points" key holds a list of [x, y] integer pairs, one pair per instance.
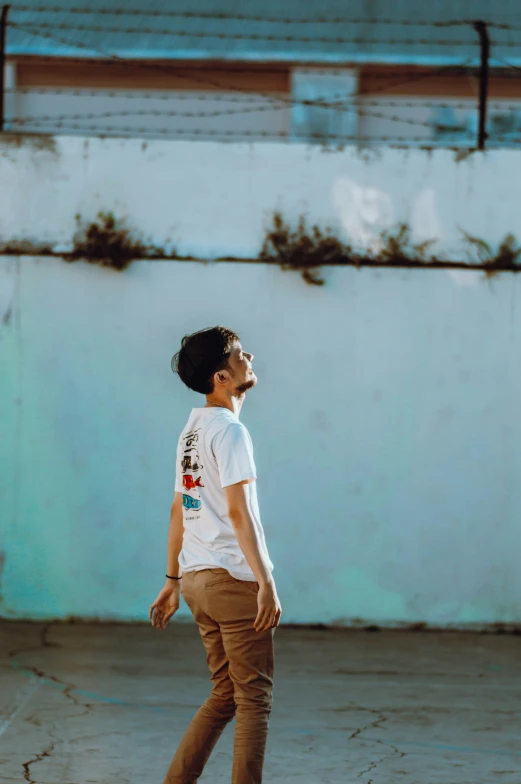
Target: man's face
{"points": [[242, 375]]}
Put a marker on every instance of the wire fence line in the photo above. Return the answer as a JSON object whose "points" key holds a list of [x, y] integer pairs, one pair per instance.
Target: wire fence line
{"points": [[133, 131], [245, 67], [356, 104], [408, 77], [357, 108], [207, 82], [247, 101], [228, 36], [170, 14], [248, 134], [357, 99], [173, 113]]}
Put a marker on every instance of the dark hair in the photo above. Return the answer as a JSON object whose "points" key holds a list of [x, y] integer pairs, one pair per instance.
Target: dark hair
{"points": [[201, 355]]}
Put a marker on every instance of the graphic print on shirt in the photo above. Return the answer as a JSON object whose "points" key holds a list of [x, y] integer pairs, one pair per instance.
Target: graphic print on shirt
{"points": [[190, 465], [189, 483]]}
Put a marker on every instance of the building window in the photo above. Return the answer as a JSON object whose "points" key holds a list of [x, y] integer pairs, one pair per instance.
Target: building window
{"points": [[460, 125], [337, 120]]}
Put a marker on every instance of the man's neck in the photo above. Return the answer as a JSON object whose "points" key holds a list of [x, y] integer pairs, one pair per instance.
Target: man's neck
{"points": [[232, 403]]}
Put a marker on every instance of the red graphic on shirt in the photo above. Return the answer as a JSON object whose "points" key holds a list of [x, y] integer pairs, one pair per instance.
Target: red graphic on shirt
{"points": [[189, 483]]}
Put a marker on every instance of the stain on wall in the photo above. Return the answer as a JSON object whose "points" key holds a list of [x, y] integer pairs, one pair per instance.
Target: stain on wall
{"points": [[216, 200]]}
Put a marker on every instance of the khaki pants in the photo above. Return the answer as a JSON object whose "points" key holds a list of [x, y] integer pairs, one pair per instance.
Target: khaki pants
{"points": [[241, 666]]}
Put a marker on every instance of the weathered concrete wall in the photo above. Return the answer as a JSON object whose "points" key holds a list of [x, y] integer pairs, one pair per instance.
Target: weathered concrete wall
{"points": [[214, 199], [385, 424]]}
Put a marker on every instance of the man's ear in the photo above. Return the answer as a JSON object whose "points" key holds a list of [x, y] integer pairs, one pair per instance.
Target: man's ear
{"points": [[221, 377]]}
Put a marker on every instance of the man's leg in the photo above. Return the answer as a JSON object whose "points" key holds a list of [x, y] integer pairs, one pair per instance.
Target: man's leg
{"points": [[233, 603], [213, 716]]}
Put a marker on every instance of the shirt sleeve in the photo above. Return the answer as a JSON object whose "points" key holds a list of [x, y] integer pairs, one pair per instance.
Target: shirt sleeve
{"points": [[233, 452], [178, 478]]}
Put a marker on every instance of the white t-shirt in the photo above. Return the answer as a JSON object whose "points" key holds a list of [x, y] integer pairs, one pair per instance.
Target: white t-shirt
{"points": [[214, 451]]}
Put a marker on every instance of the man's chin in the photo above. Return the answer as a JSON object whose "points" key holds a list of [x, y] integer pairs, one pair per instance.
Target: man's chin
{"points": [[243, 388]]}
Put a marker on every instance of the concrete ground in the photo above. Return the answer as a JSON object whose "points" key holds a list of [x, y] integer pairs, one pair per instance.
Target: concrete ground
{"points": [[107, 704]]}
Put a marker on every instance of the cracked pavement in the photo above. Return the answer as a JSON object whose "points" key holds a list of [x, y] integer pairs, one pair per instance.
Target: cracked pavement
{"points": [[88, 704]]}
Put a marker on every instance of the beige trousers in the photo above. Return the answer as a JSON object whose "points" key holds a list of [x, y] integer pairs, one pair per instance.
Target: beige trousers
{"points": [[241, 666]]}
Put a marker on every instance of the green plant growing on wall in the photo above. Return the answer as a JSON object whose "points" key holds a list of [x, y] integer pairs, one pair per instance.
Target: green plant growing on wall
{"points": [[505, 257], [110, 243]]}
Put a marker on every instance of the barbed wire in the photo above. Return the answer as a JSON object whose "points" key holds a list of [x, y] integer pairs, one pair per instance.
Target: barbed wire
{"points": [[148, 66], [135, 94], [218, 97], [245, 97], [259, 68], [356, 103], [246, 36], [258, 134], [457, 141], [205, 81], [58, 119], [503, 26], [281, 101], [138, 113], [508, 64], [254, 18], [357, 99], [357, 107]]}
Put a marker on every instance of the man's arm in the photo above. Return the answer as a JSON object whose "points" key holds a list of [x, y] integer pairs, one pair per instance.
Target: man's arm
{"points": [[237, 497], [175, 536], [169, 598]]}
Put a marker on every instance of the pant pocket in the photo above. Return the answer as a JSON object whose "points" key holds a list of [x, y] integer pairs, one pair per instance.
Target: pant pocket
{"points": [[252, 586]]}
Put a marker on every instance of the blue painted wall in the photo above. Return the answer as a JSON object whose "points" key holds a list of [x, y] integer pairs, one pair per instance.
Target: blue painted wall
{"points": [[385, 425]]}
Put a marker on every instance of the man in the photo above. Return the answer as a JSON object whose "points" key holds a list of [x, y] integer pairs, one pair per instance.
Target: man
{"points": [[216, 540]]}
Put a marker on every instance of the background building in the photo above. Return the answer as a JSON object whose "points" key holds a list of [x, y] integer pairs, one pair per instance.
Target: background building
{"points": [[335, 73]]}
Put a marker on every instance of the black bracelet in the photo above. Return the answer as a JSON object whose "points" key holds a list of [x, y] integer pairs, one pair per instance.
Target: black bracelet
{"points": [[173, 578]]}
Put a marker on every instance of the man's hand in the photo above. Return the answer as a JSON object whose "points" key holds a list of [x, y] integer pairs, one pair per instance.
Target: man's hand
{"points": [[166, 604], [269, 608]]}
